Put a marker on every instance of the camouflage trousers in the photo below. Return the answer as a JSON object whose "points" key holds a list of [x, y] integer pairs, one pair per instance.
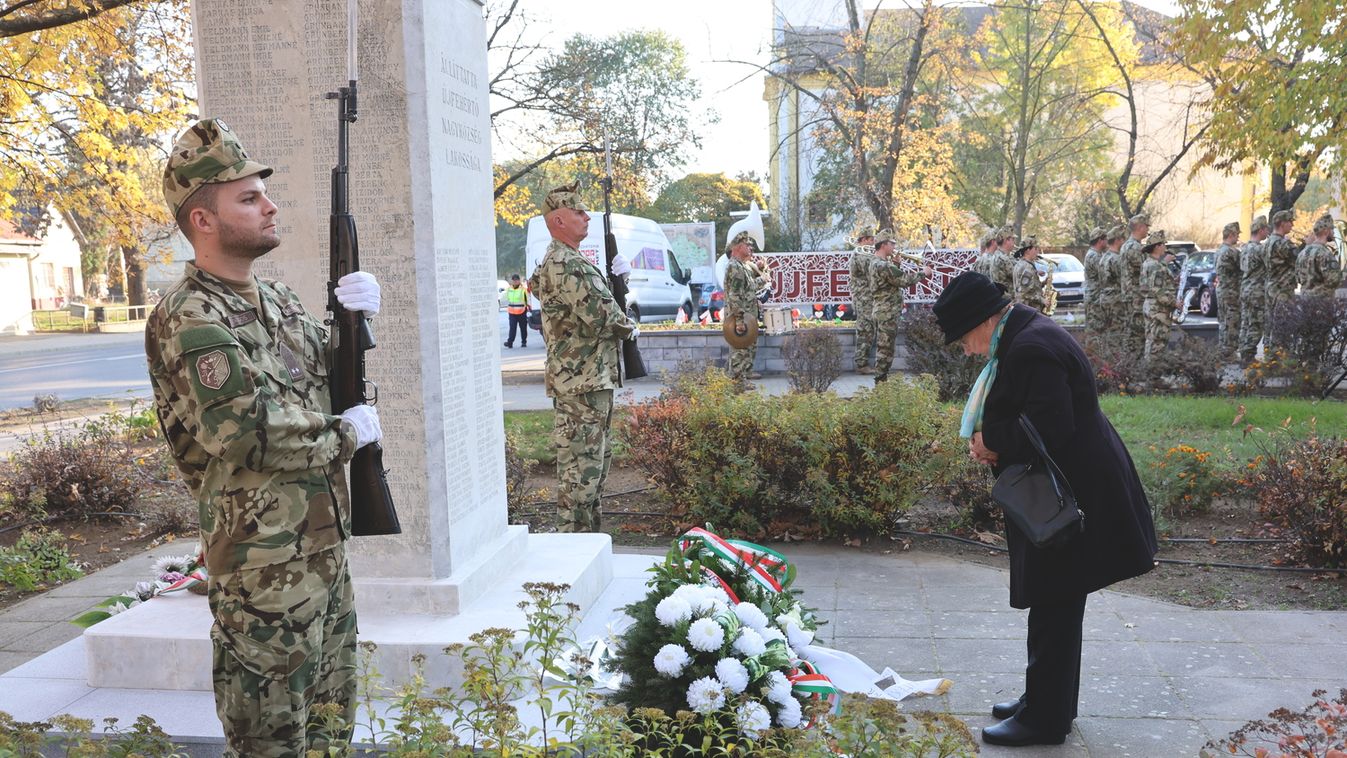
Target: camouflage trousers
{"points": [[580, 434], [1157, 327], [886, 335], [283, 642], [741, 361], [865, 336], [1251, 323], [1134, 321], [1227, 315]]}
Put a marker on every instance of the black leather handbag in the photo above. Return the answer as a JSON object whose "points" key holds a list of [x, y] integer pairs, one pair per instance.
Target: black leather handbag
{"points": [[1037, 498]]}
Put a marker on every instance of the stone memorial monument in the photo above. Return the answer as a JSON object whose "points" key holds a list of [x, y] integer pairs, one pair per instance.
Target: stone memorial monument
{"points": [[421, 194]]}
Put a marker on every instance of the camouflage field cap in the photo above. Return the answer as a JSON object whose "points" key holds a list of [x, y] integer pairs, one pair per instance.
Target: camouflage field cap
{"points": [[743, 236], [987, 238], [1097, 234], [1140, 218], [1259, 224], [1025, 244], [864, 232], [1156, 237], [885, 235], [1281, 217], [1117, 232], [1323, 224], [1005, 233], [207, 153], [565, 196], [1230, 228]]}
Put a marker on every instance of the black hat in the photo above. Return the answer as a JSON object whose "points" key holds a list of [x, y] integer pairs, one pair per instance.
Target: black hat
{"points": [[966, 302]]}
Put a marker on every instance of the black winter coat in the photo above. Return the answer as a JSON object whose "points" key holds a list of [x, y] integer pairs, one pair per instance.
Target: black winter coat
{"points": [[1044, 373]]}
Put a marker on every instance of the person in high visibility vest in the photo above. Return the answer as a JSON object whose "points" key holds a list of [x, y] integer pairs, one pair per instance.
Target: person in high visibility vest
{"points": [[517, 305]]}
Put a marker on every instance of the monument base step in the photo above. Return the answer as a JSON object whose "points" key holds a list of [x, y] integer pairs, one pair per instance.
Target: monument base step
{"points": [[165, 644]]}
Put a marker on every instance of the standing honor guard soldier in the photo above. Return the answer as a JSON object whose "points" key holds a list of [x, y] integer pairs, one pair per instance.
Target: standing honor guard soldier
{"points": [[1098, 243], [1253, 290], [1280, 254], [1317, 267], [1229, 277], [1110, 282], [1003, 259], [1131, 319], [1028, 287], [889, 281], [986, 247], [582, 330], [742, 283], [1157, 286], [862, 299], [240, 377]]}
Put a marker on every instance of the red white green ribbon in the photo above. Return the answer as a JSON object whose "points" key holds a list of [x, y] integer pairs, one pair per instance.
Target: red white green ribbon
{"points": [[196, 577], [765, 566], [806, 682]]}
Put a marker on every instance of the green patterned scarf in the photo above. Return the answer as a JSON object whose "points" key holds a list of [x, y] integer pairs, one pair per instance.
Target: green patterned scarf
{"points": [[972, 411]]}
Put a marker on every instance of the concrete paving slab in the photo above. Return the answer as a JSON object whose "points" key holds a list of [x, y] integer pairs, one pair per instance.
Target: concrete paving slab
{"points": [[45, 638], [1141, 738], [38, 699], [1287, 626], [1183, 625], [1220, 697], [986, 624], [913, 657], [967, 598], [1116, 696], [1183, 659], [68, 666], [873, 623], [13, 631], [11, 659], [876, 597], [1304, 660], [48, 609], [1114, 656], [958, 656]]}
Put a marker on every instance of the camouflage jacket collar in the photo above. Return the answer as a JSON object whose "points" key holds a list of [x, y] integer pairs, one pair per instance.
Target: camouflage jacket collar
{"points": [[239, 308]]}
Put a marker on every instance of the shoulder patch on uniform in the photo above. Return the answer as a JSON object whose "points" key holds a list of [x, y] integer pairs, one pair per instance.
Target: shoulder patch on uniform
{"points": [[211, 356], [213, 369]]}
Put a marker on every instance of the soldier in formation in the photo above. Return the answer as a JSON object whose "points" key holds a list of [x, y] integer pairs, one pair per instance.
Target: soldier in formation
{"points": [[742, 283], [1028, 287], [1317, 267], [239, 374], [889, 281], [1110, 279], [1280, 254], [1093, 256], [862, 299], [1157, 286], [582, 328], [1002, 264], [1228, 279], [1130, 320], [1253, 290], [986, 247]]}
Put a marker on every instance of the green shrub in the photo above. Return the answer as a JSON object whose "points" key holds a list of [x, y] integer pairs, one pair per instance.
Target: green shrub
{"points": [[1196, 363], [927, 353], [1116, 369], [516, 472], [1301, 485], [753, 464], [1185, 480], [37, 559], [813, 359], [73, 475], [1311, 335]]}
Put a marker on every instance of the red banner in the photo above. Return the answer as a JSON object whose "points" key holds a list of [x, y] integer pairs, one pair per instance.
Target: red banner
{"points": [[804, 278]]}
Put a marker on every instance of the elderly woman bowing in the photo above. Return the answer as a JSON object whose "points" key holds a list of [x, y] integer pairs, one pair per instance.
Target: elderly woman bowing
{"points": [[1036, 369]]}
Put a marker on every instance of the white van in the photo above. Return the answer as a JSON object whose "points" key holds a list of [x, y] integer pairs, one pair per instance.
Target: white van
{"points": [[658, 285]]}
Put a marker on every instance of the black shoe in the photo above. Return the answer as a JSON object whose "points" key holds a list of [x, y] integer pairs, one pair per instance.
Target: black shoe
{"points": [[509, 345], [1007, 709], [523, 344], [1012, 733]]}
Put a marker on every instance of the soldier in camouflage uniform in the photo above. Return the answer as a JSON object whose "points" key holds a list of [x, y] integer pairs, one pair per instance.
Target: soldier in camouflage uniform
{"points": [[1280, 254], [1228, 276], [741, 301], [1317, 267], [863, 300], [582, 328], [1003, 261], [1110, 276], [239, 375], [1253, 290], [1098, 243], [889, 281], [1028, 287], [1130, 318], [1157, 286], [986, 246]]}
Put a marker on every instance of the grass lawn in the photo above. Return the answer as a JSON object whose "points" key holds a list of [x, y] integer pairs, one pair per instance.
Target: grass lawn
{"points": [[1206, 422], [532, 431]]}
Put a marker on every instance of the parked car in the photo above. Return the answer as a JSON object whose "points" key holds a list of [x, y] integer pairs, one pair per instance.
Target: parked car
{"points": [[712, 301], [1201, 280], [1068, 278]]}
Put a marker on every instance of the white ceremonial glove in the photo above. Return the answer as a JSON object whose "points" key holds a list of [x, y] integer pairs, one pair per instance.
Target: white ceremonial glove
{"points": [[621, 266], [636, 332], [358, 291], [365, 419]]}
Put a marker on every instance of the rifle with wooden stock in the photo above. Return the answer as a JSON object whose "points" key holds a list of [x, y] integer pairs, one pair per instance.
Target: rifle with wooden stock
{"points": [[632, 365], [372, 510]]}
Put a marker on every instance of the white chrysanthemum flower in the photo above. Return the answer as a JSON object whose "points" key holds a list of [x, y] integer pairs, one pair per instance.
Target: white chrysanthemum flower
{"points": [[167, 563], [689, 593], [145, 590], [753, 719], [671, 660], [772, 633], [789, 714], [732, 674], [706, 635], [706, 695], [672, 610], [777, 689], [749, 643], [751, 616]]}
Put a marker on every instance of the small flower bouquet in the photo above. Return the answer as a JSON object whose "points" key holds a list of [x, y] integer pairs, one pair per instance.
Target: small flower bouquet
{"points": [[720, 631], [172, 573]]}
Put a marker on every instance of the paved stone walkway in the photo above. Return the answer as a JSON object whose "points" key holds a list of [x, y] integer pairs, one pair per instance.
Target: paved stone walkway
{"points": [[1158, 679]]}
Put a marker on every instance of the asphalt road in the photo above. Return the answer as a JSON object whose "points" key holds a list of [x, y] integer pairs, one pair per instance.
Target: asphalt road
{"points": [[72, 367]]}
